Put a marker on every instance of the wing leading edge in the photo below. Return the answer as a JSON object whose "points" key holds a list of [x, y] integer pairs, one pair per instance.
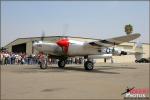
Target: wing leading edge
{"points": [[114, 41]]}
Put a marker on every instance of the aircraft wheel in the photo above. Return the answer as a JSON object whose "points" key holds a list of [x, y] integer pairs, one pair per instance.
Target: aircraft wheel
{"points": [[43, 64], [136, 61], [61, 64], [88, 65]]}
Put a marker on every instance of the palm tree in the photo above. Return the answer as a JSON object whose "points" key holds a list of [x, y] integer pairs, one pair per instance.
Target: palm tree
{"points": [[128, 29]]}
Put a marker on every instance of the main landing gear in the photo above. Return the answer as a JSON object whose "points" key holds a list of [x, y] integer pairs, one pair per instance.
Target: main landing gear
{"points": [[43, 64], [61, 63], [88, 65]]}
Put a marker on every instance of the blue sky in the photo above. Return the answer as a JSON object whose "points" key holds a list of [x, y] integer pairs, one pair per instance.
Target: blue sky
{"points": [[94, 19]]}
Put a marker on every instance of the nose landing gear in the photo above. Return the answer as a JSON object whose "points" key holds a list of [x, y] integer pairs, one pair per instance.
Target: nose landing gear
{"points": [[43, 64], [61, 63]]}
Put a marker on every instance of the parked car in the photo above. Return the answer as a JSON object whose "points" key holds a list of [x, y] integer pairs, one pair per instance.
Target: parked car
{"points": [[143, 60]]}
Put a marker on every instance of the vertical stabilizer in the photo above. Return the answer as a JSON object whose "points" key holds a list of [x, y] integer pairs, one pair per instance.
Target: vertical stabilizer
{"points": [[138, 50]]}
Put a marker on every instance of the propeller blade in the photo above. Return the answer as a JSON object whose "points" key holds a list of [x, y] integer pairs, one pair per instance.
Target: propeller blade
{"points": [[42, 36]]}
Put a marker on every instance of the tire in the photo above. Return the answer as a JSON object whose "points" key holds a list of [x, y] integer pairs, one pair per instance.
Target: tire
{"points": [[88, 65], [43, 65], [61, 64], [136, 61], [145, 61]]}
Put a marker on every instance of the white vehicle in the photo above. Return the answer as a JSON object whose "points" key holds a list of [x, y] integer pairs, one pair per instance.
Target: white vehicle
{"points": [[66, 47]]}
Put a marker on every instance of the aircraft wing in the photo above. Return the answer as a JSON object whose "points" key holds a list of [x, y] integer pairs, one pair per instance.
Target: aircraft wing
{"points": [[113, 41]]}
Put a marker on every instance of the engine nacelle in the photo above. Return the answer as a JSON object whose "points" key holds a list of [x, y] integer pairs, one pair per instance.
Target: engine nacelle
{"points": [[119, 53], [107, 56], [114, 51]]}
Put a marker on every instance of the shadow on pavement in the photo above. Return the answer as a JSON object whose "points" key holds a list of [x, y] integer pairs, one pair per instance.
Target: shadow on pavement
{"points": [[113, 67], [52, 89], [66, 69]]}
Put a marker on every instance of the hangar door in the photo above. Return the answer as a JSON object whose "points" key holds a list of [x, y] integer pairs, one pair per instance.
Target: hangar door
{"points": [[19, 48]]}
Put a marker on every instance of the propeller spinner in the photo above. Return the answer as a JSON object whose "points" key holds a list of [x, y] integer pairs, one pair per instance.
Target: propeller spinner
{"points": [[64, 44]]}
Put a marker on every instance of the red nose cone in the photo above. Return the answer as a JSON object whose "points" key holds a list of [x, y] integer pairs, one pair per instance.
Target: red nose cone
{"points": [[63, 42]]}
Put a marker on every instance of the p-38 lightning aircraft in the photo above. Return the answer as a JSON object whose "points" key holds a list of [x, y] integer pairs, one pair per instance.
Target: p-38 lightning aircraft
{"points": [[66, 47]]}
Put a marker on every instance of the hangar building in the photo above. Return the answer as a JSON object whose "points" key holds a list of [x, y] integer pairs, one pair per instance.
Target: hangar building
{"points": [[26, 45]]}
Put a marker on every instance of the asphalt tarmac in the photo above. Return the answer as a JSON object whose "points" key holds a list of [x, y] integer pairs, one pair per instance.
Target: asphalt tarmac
{"points": [[106, 81]]}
